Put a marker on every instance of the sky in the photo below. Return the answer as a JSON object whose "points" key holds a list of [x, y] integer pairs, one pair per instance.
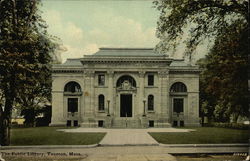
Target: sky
{"points": [[84, 26]]}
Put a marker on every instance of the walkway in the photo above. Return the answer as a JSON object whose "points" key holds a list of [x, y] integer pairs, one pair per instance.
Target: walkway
{"points": [[122, 153], [127, 136]]}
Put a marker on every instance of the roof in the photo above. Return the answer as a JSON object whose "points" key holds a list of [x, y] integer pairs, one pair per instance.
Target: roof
{"points": [[179, 63], [108, 53], [72, 62], [127, 52]]}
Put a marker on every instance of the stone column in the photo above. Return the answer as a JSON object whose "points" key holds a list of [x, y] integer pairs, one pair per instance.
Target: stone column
{"points": [[111, 92]]}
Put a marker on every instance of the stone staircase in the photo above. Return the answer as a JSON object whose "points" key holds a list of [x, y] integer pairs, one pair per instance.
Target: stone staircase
{"points": [[126, 123]]}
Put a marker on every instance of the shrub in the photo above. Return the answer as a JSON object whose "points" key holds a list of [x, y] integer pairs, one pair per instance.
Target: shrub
{"points": [[228, 125]]}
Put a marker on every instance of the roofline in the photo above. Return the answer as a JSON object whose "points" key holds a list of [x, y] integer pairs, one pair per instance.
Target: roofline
{"points": [[107, 48]]}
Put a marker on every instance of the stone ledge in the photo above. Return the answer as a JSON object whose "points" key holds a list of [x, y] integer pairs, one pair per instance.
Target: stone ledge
{"points": [[205, 145], [48, 146]]}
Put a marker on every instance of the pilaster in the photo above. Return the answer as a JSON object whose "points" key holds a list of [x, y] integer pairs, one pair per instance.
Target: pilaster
{"points": [[57, 110], [89, 93], [111, 91], [164, 80], [141, 94]]}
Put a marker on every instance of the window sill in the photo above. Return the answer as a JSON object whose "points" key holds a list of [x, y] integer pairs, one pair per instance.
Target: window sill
{"points": [[151, 111], [180, 113], [101, 86], [72, 93], [178, 93], [101, 111], [151, 87]]}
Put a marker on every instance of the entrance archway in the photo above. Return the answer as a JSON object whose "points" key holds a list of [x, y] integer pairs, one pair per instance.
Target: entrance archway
{"points": [[126, 87]]}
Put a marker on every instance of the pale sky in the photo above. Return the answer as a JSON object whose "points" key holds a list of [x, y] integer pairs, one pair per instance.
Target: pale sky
{"points": [[86, 25]]}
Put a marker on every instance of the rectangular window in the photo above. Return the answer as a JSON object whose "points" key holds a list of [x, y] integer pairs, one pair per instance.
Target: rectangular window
{"points": [[72, 105], [151, 123], [181, 123], [101, 79], [178, 105], [150, 103], [68, 122], [75, 123], [150, 80], [100, 123], [175, 123]]}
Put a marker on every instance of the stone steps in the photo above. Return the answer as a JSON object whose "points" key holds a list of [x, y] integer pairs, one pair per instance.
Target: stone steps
{"points": [[126, 123]]}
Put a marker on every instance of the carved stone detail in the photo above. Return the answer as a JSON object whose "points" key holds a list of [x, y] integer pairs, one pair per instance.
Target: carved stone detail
{"points": [[163, 74], [110, 72], [89, 73], [141, 74]]}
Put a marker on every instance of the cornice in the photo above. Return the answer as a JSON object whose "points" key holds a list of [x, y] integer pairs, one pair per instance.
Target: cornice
{"points": [[67, 71], [126, 60], [173, 71]]}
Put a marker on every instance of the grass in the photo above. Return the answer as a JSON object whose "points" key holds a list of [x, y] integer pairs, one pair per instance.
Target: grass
{"points": [[204, 135], [49, 136]]}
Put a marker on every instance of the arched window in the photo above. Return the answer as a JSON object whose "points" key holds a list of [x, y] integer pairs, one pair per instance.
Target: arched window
{"points": [[72, 87], [150, 103], [124, 79], [178, 87], [101, 101]]}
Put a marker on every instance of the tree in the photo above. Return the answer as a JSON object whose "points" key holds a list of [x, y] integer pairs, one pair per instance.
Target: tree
{"points": [[225, 22], [32, 99], [225, 74], [205, 19], [25, 49], [207, 101]]}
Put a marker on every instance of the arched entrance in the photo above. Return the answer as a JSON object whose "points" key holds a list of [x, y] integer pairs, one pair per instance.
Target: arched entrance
{"points": [[126, 86], [178, 92], [72, 94]]}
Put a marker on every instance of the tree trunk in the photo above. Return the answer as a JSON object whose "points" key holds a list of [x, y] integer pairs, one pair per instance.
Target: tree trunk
{"points": [[4, 129], [5, 119], [235, 117], [5, 132], [1, 124]]}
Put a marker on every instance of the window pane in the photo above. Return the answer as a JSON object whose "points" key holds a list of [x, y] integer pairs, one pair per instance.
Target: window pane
{"points": [[101, 80], [150, 102], [72, 87], [178, 87], [150, 80], [178, 105], [73, 105], [101, 102]]}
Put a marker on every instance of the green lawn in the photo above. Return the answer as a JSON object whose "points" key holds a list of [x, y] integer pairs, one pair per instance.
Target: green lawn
{"points": [[204, 135], [49, 136]]}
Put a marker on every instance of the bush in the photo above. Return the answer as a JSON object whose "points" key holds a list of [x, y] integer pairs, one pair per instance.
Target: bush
{"points": [[228, 125]]}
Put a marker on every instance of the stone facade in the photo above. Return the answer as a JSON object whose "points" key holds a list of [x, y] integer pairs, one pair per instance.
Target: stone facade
{"points": [[125, 88]]}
